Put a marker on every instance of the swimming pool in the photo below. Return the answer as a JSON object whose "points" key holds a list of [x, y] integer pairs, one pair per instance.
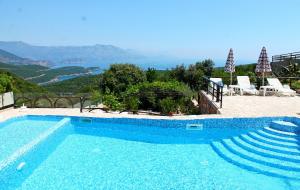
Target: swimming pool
{"points": [[120, 153]]}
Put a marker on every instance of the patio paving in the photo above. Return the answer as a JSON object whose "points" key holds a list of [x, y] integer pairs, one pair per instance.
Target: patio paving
{"points": [[253, 106], [233, 106]]}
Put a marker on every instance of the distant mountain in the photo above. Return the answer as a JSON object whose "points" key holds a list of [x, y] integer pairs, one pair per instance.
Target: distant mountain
{"points": [[10, 58], [96, 55]]}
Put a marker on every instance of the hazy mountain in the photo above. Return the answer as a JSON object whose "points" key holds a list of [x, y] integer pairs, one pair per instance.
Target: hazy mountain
{"points": [[10, 58], [96, 55]]}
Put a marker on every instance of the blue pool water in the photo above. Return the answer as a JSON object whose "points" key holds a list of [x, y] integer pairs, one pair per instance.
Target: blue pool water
{"points": [[19, 131], [90, 153]]}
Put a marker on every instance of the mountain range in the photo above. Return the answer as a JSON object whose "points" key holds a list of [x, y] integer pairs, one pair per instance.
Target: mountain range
{"points": [[9, 58], [95, 55]]}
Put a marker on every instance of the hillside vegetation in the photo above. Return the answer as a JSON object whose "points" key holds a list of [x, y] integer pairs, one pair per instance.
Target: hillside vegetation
{"points": [[9, 81], [84, 84], [240, 70], [41, 74]]}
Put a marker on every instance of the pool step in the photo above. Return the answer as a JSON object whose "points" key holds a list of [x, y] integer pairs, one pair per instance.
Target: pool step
{"points": [[275, 142], [284, 126], [273, 162], [252, 165], [265, 152], [280, 133], [271, 147], [270, 136]]}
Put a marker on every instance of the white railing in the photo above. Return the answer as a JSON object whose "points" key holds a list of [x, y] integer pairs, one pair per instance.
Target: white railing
{"points": [[6, 99]]}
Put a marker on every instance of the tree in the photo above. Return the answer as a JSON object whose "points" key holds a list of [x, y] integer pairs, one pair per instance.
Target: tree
{"points": [[151, 74], [206, 66], [119, 76], [178, 73], [5, 83], [291, 70], [193, 77]]}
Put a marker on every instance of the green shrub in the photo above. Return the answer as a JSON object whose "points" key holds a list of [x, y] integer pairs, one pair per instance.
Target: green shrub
{"points": [[193, 74], [296, 85], [112, 102], [186, 106], [167, 106], [150, 94], [132, 104], [120, 76], [96, 97], [151, 74]]}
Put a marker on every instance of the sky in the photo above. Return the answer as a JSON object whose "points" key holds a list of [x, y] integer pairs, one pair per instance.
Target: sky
{"points": [[180, 28]]}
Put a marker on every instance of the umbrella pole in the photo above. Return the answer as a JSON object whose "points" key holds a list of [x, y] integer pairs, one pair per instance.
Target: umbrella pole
{"points": [[263, 82], [230, 78]]}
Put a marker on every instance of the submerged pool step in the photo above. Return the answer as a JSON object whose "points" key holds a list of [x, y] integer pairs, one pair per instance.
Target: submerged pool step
{"points": [[274, 148], [233, 148], [278, 138], [269, 141], [280, 133], [264, 152], [223, 152], [284, 126]]}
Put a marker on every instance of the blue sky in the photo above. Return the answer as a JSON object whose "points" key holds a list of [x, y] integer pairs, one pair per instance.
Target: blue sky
{"points": [[182, 28]]}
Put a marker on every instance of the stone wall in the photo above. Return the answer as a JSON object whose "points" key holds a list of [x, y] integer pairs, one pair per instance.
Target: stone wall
{"points": [[206, 105]]}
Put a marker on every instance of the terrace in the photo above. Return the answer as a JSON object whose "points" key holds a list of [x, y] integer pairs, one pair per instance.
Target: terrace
{"points": [[233, 106], [253, 106]]}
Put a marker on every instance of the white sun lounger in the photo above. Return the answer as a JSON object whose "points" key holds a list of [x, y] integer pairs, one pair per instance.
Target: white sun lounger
{"points": [[281, 90], [219, 81], [244, 86]]}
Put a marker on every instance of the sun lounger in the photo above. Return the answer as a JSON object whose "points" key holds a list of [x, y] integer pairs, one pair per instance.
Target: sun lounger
{"points": [[244, 86], [281, 90]]}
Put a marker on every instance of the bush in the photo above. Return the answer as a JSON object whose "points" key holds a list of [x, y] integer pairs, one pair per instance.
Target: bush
{"points": [[132, 104], [151, 74], [167, 106], [186, 106], [112, 102], [150, 94], [193, 74], [96, 97], [296, 85], [120, 76]]}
